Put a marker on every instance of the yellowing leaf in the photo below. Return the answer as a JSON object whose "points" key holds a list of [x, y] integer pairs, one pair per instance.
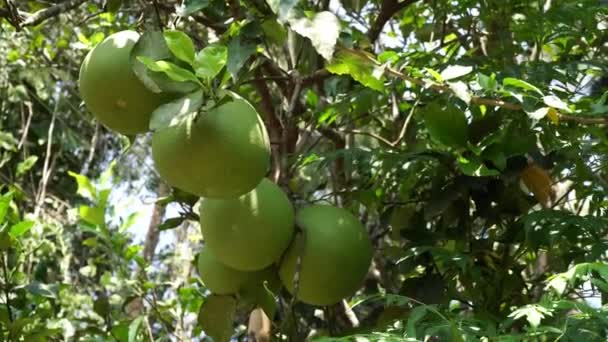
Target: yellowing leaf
{"points": [[553, 115]]}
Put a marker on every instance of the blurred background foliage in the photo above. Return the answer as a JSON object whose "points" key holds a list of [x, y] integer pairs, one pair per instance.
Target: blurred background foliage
{"points": [[469, 136]]}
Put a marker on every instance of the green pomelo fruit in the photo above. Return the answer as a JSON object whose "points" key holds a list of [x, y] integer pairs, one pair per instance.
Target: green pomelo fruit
{"points": [[249, 232], [221, 279], [111, 91], [224, 153], [336, 255]]}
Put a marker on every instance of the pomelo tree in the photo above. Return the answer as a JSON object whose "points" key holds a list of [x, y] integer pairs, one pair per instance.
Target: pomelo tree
{"points": [[445, 162]]}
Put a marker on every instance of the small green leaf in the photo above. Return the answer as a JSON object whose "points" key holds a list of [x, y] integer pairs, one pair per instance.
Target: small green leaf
{"points": [[174, 72], [435, 74], [5, 201], [191, 6], [26, 165], [85, 187], [475, 167], [20, 228], [322, 30], [180, 45], [446, 124], [210, 61], [216, 317], [488, 83], [238, 53], [7, 141], [163, 116], [514, 82], [171, 223]]}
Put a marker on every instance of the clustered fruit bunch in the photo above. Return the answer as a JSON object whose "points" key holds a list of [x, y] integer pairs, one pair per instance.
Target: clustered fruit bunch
{"points": [[222, 155]]}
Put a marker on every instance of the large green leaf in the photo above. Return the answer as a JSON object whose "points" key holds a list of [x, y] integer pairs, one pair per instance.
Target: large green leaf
{"points": [[446, 124], [164, 114], [238, 53], [180, 45], [358, 67], [210, 61], [85, 186], [174, 71]]}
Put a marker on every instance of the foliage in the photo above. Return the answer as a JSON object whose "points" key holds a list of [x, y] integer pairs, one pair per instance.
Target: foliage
{"points": [[421, 117]]}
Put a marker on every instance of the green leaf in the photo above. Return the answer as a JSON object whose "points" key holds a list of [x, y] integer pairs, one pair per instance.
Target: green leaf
{"points": [[210, 61], [180, 45], [171, 223], [359, 68], [475, 167], [216, 317], [514, 82], [258, 295], [488, 83], [461, 90], [134, 328], [43, 290], [238, 53], [113, 6], [85, 187], [435, 74], [7, 141], [26, 165], [455, 71], [151, 44], [20, 228], [93, 215], [534, 313], [174, 72], [164, 115], [416, 315], [274, 31], [191, 6], [556, 102], [323, 31], [446, 124], [130, 221], [5, 201]]}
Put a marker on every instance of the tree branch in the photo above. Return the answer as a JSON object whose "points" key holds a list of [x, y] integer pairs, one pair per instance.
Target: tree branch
{"points": [[42, 15], [387, 10], [474, 99]]}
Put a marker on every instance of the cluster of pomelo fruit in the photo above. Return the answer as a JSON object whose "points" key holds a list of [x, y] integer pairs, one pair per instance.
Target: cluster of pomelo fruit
{"points": [[223, 155]]}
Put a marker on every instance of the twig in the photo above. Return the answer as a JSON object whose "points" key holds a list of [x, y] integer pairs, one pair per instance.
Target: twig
{"points": [[89, 160], [387, 10], [45, 170], [149, 330], [6, 291], [26, 128]]}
